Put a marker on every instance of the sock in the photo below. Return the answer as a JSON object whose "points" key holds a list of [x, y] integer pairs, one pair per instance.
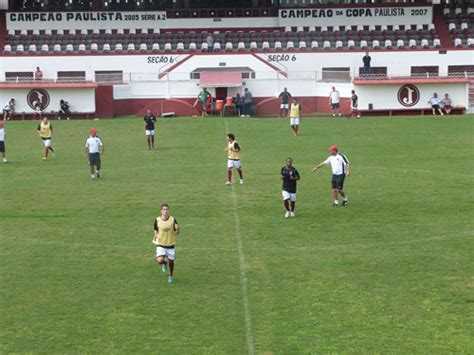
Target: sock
{"points": [[240, 174], [345, 198], [46, 151], [171, 265], [153, 141], [287, 205], [336, 202], [51, 149], [296, 130], [229, 175], [292, 206]]}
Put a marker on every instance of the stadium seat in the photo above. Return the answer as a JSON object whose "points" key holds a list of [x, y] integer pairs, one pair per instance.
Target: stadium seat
{"points": [[143, 47], [451, 26], [290, 45], [464, 26], [44, 48], [20, 48], [204, 47], [300, 29], [217, 46], [106, 47], [446, 11], [400, 44], [57, 48], [437, 43], [180, 47], [388, 44], [312, 29], [81, 48], [375, 44], [265, 45], [288, 29], [302, 45], [228, 46], [338, 44], [363, 44], [458, 42], [314, 44], [253, 46], [69, 48], [425, 43], [351, 44], [241, 46], [470, 42], [327, 45], [192, 46], [118, 47], [277, 45], [131, 47], [431, 27], [168, 47], [457, 11], [60, 32], [7, 48], [412, 43], [155, 47], [94, 47], [32, 48], [419, 27]]}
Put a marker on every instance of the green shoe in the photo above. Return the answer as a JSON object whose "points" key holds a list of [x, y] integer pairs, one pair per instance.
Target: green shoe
{"points": [[170, 279], [164, 268]]}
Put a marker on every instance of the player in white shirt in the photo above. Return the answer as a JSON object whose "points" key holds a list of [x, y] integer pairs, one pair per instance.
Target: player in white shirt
{"points": [[2, 142], [340, 169], [9, 110], [435, 103], [94, 148], [334, 99]]}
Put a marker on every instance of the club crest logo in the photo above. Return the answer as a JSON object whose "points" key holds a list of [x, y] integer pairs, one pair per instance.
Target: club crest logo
{"points": [[408, 95], [38, 99]]}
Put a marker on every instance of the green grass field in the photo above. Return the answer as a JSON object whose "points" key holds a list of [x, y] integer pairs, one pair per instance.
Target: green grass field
{"points": [[392, 272]]}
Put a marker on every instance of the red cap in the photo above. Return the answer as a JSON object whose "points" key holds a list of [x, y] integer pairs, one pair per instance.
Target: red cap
{"points": [[332, 148], [93, 130]]}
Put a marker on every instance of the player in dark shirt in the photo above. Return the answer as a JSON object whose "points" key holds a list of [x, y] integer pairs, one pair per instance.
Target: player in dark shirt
{"points": [[289, 176], [285, 97], [150, 120], [354, 105]]}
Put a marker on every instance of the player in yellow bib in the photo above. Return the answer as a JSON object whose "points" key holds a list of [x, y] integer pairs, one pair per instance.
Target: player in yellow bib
{"points": [[233, 159], [295, 114], [45, 131], [166, 229]]}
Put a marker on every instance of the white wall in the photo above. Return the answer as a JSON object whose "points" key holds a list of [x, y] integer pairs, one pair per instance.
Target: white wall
{"points": [[80, 100]]}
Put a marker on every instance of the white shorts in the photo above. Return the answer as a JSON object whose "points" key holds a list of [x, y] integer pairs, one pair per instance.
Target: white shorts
{"points": [[294, 121], [285, 106], [150, 133], [288, 196], [47, 143], [233, 164], [169, 253]]}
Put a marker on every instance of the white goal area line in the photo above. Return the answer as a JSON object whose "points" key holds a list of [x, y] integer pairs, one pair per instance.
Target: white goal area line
{"points": [[243, 276]]}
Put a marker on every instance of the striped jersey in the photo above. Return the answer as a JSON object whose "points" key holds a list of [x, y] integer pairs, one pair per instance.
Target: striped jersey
{"points": [[338, 163]]}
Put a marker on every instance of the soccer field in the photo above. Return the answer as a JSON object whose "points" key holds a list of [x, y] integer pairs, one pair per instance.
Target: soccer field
{"points": [[391, 272]]}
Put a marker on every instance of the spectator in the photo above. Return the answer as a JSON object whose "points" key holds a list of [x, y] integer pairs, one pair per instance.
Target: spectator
{"points": [[366, 60], [38, 74], [285, 97], [9, 110], [210, 43], [435, 104], [238, 103], [247, 103], [447, 104], [334, 98], [64, 110]]}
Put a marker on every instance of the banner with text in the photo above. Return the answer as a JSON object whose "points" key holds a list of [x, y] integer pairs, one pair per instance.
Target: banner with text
{"points": [[356, 16], [85, 20]]}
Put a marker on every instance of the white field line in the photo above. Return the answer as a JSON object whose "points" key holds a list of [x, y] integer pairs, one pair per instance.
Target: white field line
{"points": [[243, 276]]}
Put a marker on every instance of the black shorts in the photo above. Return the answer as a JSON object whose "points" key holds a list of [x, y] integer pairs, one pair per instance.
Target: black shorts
{"points": [[2, 147], [335, 106], [338, 181], [94, 158], [435, 107]]}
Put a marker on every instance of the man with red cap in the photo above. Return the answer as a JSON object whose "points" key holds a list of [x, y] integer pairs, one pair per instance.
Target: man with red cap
{"points": [[2, 143], [94, 148], [340, 169]]}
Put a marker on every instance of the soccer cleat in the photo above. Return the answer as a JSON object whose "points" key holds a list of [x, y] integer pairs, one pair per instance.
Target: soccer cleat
{"points": [[97, 174], [170, 279], [292, 214], [5, 161], [345, 202], [241, 181], [228, 183], [335, 204], [44, 158], [164, 268], [287, 214]]}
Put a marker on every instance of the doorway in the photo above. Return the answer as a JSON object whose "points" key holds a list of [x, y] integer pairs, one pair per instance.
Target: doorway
{"points": [[221, 93]]}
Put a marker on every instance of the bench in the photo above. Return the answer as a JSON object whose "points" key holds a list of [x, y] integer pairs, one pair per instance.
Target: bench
{"points": [[408, 112], [53, 115]]}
